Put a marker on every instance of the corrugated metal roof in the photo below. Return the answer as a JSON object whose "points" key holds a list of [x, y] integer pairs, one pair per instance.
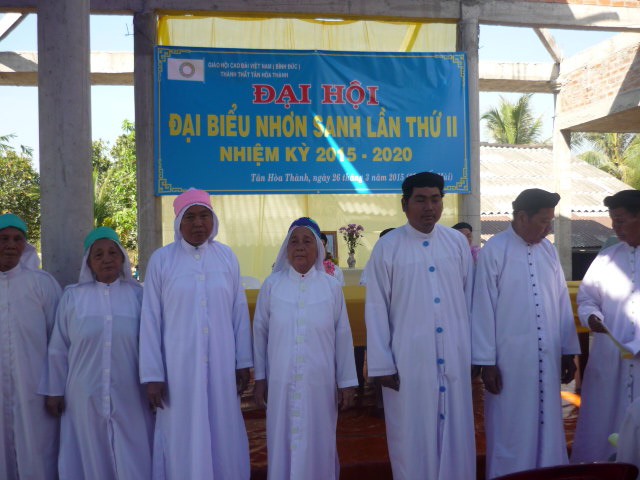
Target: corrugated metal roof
{"points": [[506, 170]]}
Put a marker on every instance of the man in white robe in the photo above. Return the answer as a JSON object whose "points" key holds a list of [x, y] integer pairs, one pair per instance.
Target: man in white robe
{"points": [[609, 294], [28, 301], [195, 339], [419, 281], [303, 353], [524, 337]]}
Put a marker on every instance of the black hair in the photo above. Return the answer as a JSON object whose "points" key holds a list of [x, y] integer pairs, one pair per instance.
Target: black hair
{"points": [[422, 179], [461, 225]]}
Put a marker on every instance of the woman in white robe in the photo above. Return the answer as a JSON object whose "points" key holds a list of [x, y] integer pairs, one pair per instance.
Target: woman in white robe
{"points": [[28, 300], [93, 376], [195, 349], [303, 352]]}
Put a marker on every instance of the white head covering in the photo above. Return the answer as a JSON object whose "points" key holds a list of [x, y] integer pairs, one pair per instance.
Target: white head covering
{"points": [[188, 199], [86, 275], [282, 260]]}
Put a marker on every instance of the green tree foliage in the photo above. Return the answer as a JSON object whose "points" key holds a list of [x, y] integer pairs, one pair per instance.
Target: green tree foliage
{"points": [[20, 186], [616, 153], [513, 122], [114, 180]]}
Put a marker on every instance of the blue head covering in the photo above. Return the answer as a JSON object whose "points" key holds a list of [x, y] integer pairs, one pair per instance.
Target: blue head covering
{"points": [[98, 233], [10, 220]]}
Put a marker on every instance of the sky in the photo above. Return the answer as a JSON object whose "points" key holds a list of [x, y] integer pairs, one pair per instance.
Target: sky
{"points": [[111, 105]]}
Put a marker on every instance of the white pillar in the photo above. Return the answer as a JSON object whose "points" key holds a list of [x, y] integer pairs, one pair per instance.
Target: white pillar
{"points": [[149, 206], [64, 103], [562, 174], [468, 36]]}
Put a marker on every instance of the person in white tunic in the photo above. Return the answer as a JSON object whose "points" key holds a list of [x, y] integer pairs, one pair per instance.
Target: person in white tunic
{"points": [[92, 370], [195, 349], [524, 337], [28, 300], [419, 283], [303, 353], [609, 294]]}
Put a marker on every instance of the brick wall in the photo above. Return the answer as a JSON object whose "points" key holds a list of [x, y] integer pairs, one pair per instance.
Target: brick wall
{"points": [[601, 79]]}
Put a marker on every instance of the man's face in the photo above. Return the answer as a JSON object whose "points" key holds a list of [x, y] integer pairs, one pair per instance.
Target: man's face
{"points": [[626, 225], [533, 229], [423, 208], [12, 243], [302, 250], [196, 225]]}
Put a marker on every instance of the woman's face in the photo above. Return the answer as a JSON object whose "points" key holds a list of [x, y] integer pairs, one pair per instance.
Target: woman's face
{"points": [[302, 249], [105, 260]]}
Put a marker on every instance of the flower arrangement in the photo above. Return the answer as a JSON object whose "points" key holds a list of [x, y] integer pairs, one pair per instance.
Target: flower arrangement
{"points": [[352, 234]]}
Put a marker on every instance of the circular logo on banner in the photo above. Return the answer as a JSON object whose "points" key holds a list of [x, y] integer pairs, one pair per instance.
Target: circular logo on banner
{"points": [[187, 69]]}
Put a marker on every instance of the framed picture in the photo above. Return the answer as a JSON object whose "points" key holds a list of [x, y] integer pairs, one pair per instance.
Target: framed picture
{"points": [[332, 243]]}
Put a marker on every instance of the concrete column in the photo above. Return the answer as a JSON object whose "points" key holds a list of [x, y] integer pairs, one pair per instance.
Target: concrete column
{"points": [[468, 35], [562, 174], [149, 206], [64, 103]]}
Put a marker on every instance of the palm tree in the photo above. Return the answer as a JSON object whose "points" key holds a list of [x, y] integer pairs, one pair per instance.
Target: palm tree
{"points": [[616, 153], [513, 122]]}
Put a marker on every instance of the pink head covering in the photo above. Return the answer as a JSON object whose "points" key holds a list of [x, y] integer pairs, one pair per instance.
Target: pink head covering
{"points": [[193, 196]]}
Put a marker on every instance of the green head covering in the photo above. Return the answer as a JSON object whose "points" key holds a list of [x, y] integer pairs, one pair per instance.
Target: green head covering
{"points": [[11, 220], [97, 234]]}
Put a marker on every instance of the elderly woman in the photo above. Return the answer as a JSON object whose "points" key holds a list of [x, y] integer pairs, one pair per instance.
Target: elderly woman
{"points": [[93, 369], [303, 352], [28, 300]]}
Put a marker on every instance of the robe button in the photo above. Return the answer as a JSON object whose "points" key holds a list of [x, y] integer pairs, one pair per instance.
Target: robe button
{"points": [[436, 300], [439, 330], [443, 388], [432, 269], [440, 361], [425, 243]]}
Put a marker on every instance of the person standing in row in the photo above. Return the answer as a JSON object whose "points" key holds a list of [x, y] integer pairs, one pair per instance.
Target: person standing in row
{"points": [[195, 349], [609, 295], [92, 381], [419, 283], [524, 338], [28, 300], [303, 354]]}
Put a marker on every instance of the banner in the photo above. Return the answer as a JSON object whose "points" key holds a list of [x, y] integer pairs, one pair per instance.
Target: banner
{"points": [[233, 121]]}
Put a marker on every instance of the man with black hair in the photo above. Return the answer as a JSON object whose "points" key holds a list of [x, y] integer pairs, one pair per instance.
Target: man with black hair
{"points": [[419, 281], [609, 297], [524, 337]]}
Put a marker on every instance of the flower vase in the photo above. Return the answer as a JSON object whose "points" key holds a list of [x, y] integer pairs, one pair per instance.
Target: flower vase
{"points": [[351, 261]]}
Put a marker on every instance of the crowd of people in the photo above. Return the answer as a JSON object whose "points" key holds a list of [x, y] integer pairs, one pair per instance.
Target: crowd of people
{"points": [[108, 380]]}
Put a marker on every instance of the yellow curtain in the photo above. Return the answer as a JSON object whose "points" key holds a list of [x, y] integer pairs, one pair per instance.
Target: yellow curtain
{"points": [[254, 226]]}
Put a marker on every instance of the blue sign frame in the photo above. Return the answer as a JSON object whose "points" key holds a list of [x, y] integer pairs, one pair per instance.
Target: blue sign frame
{"points": [[237, 121]]}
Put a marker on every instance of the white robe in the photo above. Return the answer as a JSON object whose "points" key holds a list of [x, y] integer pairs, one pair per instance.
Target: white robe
{"points": [[522, 322], [629, 436], [28, 434], [417, 316], [303, 346], [609, 290], [194, 334], [106, 427]]}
